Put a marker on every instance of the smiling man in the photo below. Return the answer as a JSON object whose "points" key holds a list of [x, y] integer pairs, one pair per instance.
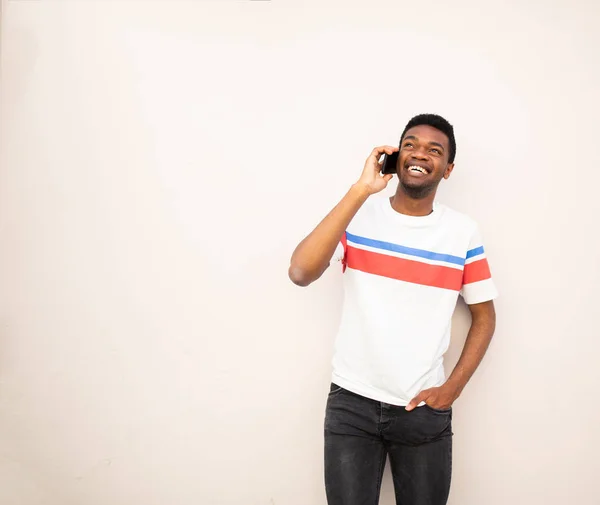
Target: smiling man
{"points": [[405, 261]]}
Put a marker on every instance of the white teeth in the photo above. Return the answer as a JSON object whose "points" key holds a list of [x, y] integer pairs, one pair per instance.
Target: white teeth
{"points": [[417, 169]]}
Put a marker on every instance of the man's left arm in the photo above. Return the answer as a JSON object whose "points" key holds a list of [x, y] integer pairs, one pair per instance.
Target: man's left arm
{"points": [[480, 334]]}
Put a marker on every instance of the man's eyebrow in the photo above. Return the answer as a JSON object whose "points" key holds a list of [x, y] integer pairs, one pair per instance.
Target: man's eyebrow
{"points": [[412, 137]]}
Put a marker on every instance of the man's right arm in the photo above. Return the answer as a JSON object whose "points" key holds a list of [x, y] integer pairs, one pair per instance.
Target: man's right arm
{"points": [[311, 257]]}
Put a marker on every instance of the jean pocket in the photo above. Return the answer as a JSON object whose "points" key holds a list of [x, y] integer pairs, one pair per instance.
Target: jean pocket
{"points": [[334, 389], [439, 411]]}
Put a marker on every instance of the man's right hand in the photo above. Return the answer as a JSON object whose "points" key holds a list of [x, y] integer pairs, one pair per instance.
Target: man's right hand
{"points": [[371, 178]]}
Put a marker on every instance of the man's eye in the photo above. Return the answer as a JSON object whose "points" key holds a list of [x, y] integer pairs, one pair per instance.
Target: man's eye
{"points": [[408, 144], [436, 151]]}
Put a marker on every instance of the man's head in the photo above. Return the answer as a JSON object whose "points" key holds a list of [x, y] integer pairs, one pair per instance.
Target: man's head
{"points": [[426, 156]]}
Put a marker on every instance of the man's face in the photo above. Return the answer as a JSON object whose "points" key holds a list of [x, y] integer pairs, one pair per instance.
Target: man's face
{"points": [[423, 160]]}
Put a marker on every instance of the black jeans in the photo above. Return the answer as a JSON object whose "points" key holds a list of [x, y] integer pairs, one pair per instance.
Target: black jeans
{"points": [[360, 433]]}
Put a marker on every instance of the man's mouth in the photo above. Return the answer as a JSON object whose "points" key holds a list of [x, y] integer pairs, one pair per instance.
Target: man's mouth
{"points": [[416, 169]]}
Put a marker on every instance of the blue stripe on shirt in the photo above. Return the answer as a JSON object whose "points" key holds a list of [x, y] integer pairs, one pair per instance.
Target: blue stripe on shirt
{"points": [[410, 251]]}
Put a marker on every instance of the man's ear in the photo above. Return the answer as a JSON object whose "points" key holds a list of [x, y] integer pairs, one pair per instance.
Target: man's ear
{"points": [[448, 170]]}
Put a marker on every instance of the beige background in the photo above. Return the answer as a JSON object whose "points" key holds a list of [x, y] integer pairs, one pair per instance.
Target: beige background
{"points": [[159, 162]]}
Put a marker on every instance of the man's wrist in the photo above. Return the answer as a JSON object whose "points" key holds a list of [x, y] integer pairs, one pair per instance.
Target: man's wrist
{"points": [[361, 190], [453, 387]]}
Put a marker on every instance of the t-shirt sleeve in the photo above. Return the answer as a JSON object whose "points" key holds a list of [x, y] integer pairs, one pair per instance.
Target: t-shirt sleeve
{"points": [[339, 254], [477, 285]]}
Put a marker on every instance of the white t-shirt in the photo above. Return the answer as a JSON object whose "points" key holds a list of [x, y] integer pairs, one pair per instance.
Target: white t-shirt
{"points": [[402, 278]]}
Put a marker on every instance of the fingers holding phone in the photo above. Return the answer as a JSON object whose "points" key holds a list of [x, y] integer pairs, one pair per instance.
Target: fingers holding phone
{"points": [[373, 176]]}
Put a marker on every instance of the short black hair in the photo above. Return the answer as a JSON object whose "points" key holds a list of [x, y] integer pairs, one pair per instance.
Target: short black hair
{"points": [[439, 123]]}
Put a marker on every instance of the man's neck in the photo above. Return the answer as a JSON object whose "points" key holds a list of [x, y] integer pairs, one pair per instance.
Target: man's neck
{"points": [[404, 204]]}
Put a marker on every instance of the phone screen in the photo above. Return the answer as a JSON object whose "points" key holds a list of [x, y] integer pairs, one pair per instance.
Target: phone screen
{"points": [[389, 163]]}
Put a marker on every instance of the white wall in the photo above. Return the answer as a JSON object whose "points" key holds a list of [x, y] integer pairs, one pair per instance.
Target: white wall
{"points": [[159, 162]]}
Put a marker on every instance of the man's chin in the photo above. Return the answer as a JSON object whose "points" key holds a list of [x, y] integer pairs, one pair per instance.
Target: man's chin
{"points": [[415, 184], [417, 189]]}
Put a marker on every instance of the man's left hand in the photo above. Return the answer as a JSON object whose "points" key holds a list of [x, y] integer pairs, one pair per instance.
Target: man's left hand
{"points": [[440, 398]]}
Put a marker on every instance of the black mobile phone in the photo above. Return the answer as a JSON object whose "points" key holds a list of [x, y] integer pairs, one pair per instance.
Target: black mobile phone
{"points": [[389, 163]]}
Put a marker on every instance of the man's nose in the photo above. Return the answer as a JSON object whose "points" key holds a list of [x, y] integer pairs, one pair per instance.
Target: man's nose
{"points": [[420, 154]]}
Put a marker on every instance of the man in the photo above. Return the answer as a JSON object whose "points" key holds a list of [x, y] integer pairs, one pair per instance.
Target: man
{"points": [[405, 260]]}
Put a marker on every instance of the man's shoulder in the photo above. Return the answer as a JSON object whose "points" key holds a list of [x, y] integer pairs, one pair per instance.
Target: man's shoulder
{"points": [[375, 201], [453, 217], [372, 206]]}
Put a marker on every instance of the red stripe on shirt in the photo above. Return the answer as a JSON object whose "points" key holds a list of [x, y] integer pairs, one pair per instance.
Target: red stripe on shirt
{"points": [[403, 269], [477, 271]]}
